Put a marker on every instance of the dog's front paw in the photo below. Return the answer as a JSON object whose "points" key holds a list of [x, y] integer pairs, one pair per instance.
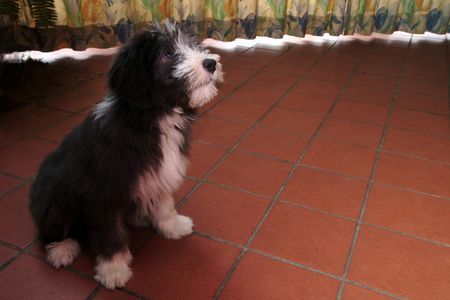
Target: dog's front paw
{"points": [[114, 273], [176, 227]]}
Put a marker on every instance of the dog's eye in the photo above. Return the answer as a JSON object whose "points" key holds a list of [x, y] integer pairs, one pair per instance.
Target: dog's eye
{"points": [[168, 55]]}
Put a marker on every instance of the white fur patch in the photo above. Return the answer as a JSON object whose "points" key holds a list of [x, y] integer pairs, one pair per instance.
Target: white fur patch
{"points": [[202, 83], [114, 272], [103, 107], [173, 166], [176, 227], [61, 254]]}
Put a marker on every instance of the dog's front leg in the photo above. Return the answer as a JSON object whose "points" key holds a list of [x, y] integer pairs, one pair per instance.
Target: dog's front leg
{"points": [[168, 221]]}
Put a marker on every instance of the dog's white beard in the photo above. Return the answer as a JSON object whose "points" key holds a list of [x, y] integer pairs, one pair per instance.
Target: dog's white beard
{"points": [[201, 95]]}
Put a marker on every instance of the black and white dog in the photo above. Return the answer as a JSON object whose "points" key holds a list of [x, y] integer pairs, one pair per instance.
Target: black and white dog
{"points": [[120, 167]]}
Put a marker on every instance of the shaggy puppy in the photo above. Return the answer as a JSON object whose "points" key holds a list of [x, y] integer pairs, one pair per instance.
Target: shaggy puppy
{"points": [[120, 167]]}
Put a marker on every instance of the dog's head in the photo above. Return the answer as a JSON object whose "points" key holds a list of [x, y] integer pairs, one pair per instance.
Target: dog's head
{"points": [[165, 66]]}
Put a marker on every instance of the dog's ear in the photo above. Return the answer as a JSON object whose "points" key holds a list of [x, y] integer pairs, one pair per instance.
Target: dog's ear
{"points": [[189, 29], [131, 77]]}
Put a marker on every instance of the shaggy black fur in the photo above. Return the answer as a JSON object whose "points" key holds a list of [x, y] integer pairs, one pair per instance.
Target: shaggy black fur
{"points": [[83, 189]]}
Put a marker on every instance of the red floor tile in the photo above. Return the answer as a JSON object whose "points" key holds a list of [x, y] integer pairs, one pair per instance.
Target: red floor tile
{"points": [[7, 183], [274, 143], [374, 81], [225, 90], [30, 119], [203, 157], [218, 131], [240, 111], [8, 137], [225, 213], [307, 102], [247, 63], [74, 99], [256, 174], [318, 87], [422, 102], [57, 132], [6, 253], [339, 59], [197, 266], [415, 174], [330, 74], [237, 75], [421, 122], [414, 72], [31, 278], [341, 157], [392, 70], [258, 277], [286, 66], [409, 212], [360, 111], [401, 265], [105, 294], [326, 191], [23, 158], [94, 85], [85, 263], [417, 144], [257, 94], [369, 93], [358, 133], [306, 237], [353, 292], [292, 120], [419, 87], [16, 225], [273, 80]]}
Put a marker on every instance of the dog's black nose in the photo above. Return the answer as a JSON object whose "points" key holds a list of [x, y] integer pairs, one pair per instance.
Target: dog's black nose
{"points": [[210, 65]]}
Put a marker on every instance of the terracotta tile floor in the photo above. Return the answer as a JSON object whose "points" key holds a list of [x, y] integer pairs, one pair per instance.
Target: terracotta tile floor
{"points": [[321, 171]]}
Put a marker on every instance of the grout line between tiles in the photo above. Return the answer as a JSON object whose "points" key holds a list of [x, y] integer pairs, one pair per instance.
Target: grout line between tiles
{"points": [[17, 187], [375, 290], [324, 212], [217, 239], [17, 255], [371, 179], [297, 163], [236, 143], [398, 232], [94, 292], [321, 211], [293, 263], [79, 273], [296, 264], [417, 157], [230, 187]]}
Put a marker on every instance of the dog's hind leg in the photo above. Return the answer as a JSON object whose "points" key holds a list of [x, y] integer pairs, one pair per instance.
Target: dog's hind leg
{"points": [[108, 239], [61, 254], [53, 230], [168, 221]]}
